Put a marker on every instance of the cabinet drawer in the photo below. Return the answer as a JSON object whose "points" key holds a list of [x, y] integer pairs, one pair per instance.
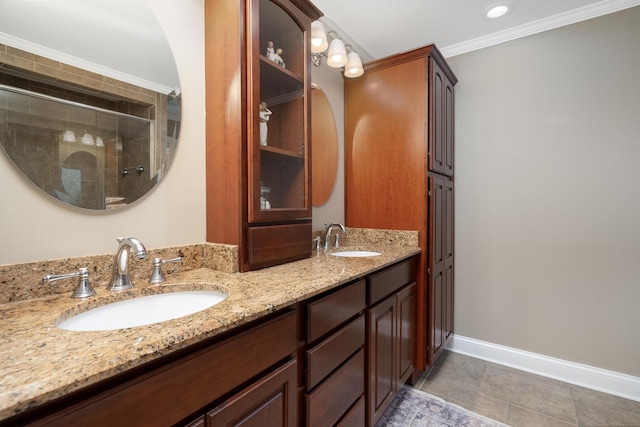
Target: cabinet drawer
{"points": [[275, 244], [356, 415], [330, 353], [329, 401], [390, 280], [331, 311]]}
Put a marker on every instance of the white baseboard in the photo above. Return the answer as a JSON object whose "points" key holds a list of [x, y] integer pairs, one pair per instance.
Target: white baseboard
{"points": [[611, 382]]}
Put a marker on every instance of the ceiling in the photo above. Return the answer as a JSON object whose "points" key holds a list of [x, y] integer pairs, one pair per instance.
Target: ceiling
{"points": [[378, 28]]}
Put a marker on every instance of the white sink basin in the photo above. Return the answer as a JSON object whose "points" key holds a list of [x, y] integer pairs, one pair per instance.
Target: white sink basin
{"points": [[143, 310], [356, 254]]}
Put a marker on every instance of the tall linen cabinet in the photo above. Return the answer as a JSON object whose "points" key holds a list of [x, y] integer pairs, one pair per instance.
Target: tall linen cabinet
{"points": [[399, 174], [259, 128]]}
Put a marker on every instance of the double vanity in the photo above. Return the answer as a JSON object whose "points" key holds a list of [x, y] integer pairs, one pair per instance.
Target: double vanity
{"points": [[277, 342]]}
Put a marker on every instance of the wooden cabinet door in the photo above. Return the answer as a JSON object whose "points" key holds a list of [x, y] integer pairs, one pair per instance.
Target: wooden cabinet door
{"points": [[437, 140], [270, 402], [278, 137], [381, 376], [405, 341], [441, 115], [448, 108], [448, 260], [435, 291], [440, 264]]}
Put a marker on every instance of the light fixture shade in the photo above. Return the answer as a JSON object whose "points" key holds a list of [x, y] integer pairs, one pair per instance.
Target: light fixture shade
{"points": [[69, 136], [87, 139], [337, 56], [99, 142], [319, 42], [354, 66]]}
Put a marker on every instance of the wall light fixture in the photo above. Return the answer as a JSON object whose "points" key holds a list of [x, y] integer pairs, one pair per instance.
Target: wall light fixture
{"points": [[337, 56]]}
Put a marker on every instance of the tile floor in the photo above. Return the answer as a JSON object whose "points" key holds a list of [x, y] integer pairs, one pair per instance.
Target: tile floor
{"points": [[521, 399]]}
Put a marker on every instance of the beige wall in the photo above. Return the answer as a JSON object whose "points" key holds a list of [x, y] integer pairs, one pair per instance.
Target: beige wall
{"points": [[548, 193], [34, 227]]}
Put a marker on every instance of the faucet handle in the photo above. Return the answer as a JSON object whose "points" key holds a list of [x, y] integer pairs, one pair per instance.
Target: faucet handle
{"points": [[156, 275], [83, 289]]}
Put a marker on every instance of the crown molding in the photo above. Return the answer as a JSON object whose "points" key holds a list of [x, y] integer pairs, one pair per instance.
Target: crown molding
{"points": [[571, 17]]}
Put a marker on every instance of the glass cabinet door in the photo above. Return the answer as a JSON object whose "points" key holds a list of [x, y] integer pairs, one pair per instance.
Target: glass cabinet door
{"points": [[278, 135]]}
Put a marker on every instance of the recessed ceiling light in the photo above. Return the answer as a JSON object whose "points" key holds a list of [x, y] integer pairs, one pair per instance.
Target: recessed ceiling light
{"points": [[497, 10]]}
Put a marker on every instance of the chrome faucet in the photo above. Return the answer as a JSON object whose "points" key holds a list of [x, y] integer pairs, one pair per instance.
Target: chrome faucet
{"points": [[120, 279], [327, 234]]}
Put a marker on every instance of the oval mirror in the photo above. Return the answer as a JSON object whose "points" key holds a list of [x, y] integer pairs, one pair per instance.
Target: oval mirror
{"points": [[324, 155], [89, 98]]}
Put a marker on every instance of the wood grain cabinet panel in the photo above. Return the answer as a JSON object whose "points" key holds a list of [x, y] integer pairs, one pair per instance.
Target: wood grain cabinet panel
{"points": [[406, 309], [391, 340], [440, 262], [335, 356], [356, 415], [332, 352], [388, 281], [331, 311], [382, 358], [270, 402], [399, 130], [333, 398]]}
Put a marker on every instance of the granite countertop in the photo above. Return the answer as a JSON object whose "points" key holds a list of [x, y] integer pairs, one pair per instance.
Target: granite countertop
{"points": [[40, 362]]}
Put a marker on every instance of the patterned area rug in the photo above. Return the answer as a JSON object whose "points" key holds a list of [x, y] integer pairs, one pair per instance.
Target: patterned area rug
{"points": [[415, 408]]}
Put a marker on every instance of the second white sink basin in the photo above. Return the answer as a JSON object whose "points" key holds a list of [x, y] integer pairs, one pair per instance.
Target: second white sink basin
{"points": [[356, 254], [142, 311]]}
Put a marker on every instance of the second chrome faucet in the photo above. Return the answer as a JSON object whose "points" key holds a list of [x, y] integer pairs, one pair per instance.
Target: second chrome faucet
{"points": [[327, 234], [120, 279]]}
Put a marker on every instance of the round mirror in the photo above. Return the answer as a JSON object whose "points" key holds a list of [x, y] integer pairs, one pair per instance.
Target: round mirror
{"points": [[89, 98]]}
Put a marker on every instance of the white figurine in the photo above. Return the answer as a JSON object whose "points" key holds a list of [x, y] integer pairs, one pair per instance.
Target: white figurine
{"points": [[270, 51], [277, 58], [264, 118]]}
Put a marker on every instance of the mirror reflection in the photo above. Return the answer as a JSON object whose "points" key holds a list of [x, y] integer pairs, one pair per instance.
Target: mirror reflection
{"points": [[96, 137]]}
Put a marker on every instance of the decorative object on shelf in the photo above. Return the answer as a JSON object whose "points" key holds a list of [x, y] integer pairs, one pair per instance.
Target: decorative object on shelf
{"points": [[278, 59], [264, 118], [265, 192], [274, 54], [270, 51], [337, 55]]}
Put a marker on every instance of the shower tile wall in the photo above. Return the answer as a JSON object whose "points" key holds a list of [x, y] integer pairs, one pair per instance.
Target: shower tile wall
{"points": [[37, 143]]}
